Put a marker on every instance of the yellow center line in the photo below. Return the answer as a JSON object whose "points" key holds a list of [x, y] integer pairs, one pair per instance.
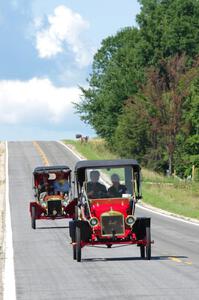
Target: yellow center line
{"points": [[188, 263], [41, 153], [175, 259]]}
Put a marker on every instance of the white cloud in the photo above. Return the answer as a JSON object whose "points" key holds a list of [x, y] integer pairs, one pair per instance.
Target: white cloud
{"points": [[64, 33], [38, 102]]}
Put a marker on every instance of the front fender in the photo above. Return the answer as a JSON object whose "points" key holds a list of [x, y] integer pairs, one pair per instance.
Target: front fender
{"points": [[139, 227], [38, 209]]}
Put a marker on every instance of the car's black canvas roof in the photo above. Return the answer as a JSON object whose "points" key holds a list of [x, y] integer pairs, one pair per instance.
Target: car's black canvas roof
{"points": [[88, 164], [44, 169]]}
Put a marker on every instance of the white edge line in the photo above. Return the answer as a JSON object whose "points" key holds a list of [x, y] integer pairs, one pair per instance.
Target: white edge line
{"points": [[9, 291], [140, 206], [68, 148]]}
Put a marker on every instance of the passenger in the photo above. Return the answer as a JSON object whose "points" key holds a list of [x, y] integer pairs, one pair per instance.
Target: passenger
{"points": [[117, 189], [61, 185], [94, 188]]}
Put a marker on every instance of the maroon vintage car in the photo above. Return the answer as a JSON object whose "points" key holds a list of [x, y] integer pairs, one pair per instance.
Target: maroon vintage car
{"points": [[105, 213], [53, 196]]}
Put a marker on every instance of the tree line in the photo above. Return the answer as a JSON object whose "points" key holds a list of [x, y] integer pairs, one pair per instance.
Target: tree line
{"points": [[143, 94]]}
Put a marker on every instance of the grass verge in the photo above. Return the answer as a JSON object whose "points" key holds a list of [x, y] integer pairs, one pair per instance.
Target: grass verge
{"points": [[170, 194]]}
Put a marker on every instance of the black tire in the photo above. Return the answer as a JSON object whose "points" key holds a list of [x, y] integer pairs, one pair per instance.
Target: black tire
{"points": [[75, 246], [33, 217], [74, 241], [74, 252], [142, 251], [109, 246], [148, 243], [78, 244]]}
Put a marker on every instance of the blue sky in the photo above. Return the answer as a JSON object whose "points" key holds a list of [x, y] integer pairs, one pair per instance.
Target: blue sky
{"points": [[46, 52]]}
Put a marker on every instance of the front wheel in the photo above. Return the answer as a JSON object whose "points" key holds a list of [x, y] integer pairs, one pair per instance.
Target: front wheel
{"points": [[142, 251], [148, 243], [74, 252], [33, 217], [78, 244], [73, 229]]}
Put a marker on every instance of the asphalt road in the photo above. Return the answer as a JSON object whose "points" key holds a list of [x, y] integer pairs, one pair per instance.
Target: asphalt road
{"points": [[44, 268]]}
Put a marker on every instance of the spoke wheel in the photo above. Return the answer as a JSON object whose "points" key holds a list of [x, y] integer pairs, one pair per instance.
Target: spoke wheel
{"points": [[74, 252], [142, 251], [33, 217], [78, 244], [148, 243]]}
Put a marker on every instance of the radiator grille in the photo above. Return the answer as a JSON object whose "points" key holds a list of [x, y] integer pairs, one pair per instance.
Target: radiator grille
{"points": [[112, 225], [54, 207]]}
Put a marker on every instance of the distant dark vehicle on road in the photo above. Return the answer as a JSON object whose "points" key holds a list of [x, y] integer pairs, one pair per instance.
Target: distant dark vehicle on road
{"points": [[53, 197], [104, 215]]}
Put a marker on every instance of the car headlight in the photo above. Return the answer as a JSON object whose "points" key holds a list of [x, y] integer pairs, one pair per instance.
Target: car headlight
{"points": [[93, 222], [130, 220], [64, 202], [43, 204]]}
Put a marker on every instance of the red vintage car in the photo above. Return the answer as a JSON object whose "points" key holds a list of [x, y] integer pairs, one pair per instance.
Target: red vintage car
{"points": [[53, 197], [105, 213]]}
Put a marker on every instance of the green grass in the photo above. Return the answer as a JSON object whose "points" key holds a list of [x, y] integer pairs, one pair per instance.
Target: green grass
{"points": [[173, 199], [94, 149], [167, 193]]}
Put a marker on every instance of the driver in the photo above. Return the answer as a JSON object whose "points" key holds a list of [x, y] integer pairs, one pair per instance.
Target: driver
{"points": [[94, 188]]}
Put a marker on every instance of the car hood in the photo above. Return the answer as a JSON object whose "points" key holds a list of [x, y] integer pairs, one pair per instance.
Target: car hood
{"points": [[100, 206]]}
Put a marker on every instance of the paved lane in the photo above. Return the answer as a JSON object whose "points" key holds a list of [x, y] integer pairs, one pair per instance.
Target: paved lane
{"points": [[44, 268]]}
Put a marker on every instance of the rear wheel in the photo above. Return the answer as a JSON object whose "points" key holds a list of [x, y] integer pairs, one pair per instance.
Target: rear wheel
{"points": [[75, 246], [74, 252], [33, 217], [73, 238], [78, 244], [142, 251], [148, 243], [109, 246]]}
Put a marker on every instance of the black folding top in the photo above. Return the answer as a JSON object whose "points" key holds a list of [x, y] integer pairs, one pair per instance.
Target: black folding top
{"points": [[89, 164], [51, 169]]}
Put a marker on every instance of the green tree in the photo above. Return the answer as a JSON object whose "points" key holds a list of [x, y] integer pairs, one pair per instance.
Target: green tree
{"points": [[122, 66], [187, 152], [161, 104], [167, 28], [115, 76], [132, 134]]}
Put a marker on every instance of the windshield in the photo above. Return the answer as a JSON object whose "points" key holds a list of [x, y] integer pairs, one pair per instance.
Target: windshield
{"points": [[109, 183], [53, 183]]}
